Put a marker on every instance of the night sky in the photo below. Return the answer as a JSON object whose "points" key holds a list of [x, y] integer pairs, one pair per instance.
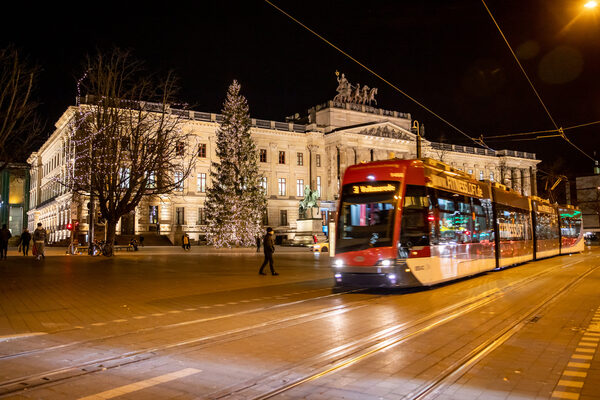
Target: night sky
{"points": [[446, 54]]}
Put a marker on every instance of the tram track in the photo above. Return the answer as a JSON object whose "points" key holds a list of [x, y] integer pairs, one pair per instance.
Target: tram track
{"points": [[326, 363], [337, 359]]}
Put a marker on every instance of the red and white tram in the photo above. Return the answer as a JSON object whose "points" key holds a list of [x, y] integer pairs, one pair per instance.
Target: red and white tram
{"points": [[420, 222]]}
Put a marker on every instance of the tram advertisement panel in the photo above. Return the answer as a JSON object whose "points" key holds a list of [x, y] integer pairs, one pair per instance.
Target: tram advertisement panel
{"points": [[571, 234], [456, 183]]}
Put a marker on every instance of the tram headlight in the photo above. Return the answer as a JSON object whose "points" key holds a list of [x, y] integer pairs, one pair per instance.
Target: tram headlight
{"points": [[392, 277], [339, 263], [385, 263]]}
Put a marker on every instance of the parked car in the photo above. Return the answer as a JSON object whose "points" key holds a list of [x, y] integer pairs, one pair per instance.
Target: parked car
{"points": [[320, 247]]}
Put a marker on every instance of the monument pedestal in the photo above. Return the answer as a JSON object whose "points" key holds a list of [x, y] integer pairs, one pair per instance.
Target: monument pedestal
{"points": [[306, 229]]}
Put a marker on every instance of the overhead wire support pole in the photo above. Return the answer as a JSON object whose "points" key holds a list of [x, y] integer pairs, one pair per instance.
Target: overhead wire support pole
{"points": [[474, 140], [531, 83]]}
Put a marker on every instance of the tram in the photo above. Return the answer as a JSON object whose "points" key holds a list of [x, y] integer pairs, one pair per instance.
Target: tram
{"points": [[406, 223]]}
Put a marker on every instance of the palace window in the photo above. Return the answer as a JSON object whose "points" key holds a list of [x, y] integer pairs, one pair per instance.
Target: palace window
{"points": [[492, 176], [263, 183], [201, 220], [202, 150], [178, 178], [300, 158], [202, 182], [179, 215], [319, 186], [282, 157], [480, 175], [283, 218], [318, 160], [263, 155], [180, 149], [281, 185], [153, 214], [299, 187], [151, 180]]}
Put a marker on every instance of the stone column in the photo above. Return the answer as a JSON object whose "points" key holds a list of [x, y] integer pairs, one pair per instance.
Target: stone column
{"points": [[533, 180]]}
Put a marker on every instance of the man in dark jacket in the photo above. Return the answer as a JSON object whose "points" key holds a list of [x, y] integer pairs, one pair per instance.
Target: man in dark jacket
{"points": [[4, 236], [269, 249], [24, 241]]}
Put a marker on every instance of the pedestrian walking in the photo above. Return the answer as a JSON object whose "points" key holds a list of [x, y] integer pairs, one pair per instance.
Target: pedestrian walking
{"points": [[141, 241], [257, 244], [4, 236], [24, 241], [268, 249], [185, 242], [40, 237]]}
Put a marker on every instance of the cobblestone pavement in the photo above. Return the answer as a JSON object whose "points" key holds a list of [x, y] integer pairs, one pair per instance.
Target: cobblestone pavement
{"points": [[164, 324]]}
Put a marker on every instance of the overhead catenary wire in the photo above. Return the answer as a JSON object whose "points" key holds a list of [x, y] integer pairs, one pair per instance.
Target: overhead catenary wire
{"points": [[558, 129], [477, 141]]}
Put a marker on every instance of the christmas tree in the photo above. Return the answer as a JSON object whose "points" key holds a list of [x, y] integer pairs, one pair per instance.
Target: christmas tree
{"points": [[236, 202]]}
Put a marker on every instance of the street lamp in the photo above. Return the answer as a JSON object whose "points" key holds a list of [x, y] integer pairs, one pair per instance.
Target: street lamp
{"points": [[591, 4]]}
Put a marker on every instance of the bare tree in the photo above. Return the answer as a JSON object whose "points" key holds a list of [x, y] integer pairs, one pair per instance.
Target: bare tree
{"points": [[126, 142], [19, 123]]}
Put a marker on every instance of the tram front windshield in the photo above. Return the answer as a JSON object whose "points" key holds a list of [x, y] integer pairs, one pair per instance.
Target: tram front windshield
{"points": [[366, 216]]}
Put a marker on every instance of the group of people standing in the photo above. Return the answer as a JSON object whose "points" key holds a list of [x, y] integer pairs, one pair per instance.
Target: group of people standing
{"points": [[40, 238]]}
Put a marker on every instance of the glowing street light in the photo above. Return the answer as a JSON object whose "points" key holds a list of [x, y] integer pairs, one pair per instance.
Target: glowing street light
{"points": [[591, 4]]}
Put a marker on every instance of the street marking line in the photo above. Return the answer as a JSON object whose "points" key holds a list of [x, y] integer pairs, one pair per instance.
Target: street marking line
{"points": [[575, 384], [591, 334], [581, 357], [134, 387], [6, 338], [119, 320], [190, 309], [578, 365], [140, 317], [575, 373], [580, 350], [593, 339], [174, 312], [98, 324], [587, 344], [565, 395], [158, 315]]}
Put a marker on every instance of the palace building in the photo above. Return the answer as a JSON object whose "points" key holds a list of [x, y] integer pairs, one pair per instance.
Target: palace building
{"points": [[337, 134]]}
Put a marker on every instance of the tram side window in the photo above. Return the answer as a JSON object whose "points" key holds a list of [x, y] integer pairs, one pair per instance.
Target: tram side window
{"points": [[415, 225], [455, 224], [570, 227], [546, 226], [483, 230], [513, 223]]}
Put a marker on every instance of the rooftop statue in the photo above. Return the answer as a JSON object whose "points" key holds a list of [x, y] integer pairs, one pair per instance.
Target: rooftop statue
{"points": [[348, 93]]}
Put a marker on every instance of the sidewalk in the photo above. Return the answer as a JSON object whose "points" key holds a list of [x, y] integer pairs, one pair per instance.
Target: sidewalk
{"points": [[160, 250]]}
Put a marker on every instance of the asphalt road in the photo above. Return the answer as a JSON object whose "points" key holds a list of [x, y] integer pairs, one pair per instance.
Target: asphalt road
{"points": [[164, 324]]}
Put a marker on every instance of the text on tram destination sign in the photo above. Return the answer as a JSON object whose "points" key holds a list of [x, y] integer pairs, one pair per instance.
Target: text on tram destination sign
{"points": [[546, 209], [359, 189], [457, 185]]}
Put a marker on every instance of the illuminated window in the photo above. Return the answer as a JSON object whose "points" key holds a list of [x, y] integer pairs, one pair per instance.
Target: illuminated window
{"points": [[491, 176], [263, 155], [300, 158], [202, 150], [178, 180], [319, 186], [202, 183], [318, 160], [282, 157], [151, 180], [281, 185], [480, 175], [299, 187], [153, 214], [263, 183]]}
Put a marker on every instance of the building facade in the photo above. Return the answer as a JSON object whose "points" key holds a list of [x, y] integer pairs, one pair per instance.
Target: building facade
{"points": [[588, 199], [291, 155], [14, 193]]}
